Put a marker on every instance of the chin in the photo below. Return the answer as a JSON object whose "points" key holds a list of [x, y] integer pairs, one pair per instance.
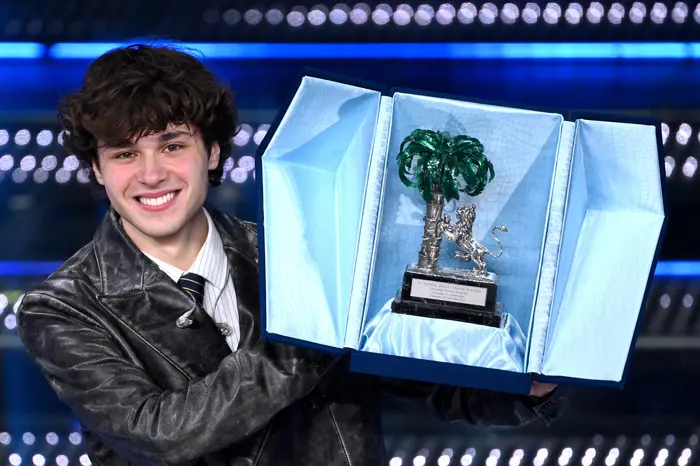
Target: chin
{"points": [[157, 232], [161, 233], [162, 228]]}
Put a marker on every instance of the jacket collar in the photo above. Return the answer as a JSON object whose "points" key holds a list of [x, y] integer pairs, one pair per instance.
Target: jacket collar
{"points": [[124, 268], [142, 296]]}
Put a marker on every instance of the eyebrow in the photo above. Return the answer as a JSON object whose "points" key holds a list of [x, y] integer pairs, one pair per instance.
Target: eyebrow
{"points": [[170, 135], [163, 137]]}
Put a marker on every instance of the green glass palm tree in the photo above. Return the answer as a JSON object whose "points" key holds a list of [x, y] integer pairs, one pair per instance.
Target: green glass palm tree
{"points": [[441, 166]]}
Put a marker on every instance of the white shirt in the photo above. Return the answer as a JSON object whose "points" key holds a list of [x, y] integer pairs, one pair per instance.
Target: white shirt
{"points": [[219, 293]]}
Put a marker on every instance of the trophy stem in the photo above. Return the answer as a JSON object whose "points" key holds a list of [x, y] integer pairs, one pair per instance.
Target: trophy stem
{"points": [[430, 244]]}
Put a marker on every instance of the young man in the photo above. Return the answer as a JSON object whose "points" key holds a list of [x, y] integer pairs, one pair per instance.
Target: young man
{"points": [[150, 333]]}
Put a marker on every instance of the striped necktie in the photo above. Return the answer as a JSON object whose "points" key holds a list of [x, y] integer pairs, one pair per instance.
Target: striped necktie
{"points": [[194, 285]]}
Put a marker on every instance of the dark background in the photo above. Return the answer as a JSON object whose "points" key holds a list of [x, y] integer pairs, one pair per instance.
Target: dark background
{"points": [[47, 212]]}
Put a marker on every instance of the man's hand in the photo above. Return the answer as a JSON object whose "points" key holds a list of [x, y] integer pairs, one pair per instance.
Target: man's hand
{"points": [[541, 389]]}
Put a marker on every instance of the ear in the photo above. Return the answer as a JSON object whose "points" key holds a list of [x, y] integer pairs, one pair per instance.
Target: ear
{"points": [[214, 155], [98, 174]]}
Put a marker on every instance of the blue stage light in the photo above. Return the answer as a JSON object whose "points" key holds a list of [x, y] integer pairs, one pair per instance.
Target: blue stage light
{"points": [[28, 268], [464, 51], [677, 269], [31, 268], [22, 50]]}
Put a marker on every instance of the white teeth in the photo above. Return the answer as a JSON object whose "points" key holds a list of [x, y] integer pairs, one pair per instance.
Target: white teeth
{"points": [[156, 201]]}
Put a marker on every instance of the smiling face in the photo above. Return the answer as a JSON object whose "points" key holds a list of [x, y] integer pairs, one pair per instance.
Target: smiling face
{"points": [[158, 184]]}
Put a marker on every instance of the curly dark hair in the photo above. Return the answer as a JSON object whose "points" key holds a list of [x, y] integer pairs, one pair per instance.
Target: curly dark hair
{"points": [[140, 89]]}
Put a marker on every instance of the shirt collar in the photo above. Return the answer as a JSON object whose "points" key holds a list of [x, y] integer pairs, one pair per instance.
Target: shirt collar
{"points": [[211, 262]]}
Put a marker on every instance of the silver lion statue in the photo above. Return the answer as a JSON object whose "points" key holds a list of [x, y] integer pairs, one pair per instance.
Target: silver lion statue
{"points": [[470, 250]]}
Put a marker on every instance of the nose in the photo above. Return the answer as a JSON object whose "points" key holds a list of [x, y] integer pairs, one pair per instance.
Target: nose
{"points": [[151, 170]]}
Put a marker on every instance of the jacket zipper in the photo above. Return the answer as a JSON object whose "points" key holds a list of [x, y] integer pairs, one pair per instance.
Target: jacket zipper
{"points": [[340, 437], [262, 447]]}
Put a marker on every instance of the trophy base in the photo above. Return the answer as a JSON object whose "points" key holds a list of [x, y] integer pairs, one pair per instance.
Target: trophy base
{"points": [[449, 293]]}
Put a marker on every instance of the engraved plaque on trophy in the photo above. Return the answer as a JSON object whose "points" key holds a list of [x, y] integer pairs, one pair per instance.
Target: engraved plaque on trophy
{"points": [[442, 167]]}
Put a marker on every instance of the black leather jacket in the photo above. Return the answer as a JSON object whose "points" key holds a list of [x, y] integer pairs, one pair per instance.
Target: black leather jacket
{"points": [[102, 330]]}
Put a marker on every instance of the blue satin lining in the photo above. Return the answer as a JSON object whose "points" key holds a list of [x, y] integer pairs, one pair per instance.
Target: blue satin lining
{"points": [[550, 256], [613, 220], [446, 341], [314, 175], [368, 229], [522, 145]]}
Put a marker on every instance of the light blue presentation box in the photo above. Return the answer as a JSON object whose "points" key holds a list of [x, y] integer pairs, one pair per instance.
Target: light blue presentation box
{"points": [[583, 201]]}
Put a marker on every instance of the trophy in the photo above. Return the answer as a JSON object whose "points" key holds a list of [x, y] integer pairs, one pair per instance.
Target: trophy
{"points": [[444, 166]]}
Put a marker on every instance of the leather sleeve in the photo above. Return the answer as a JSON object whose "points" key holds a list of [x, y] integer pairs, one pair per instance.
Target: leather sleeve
{"points": [[480, 407], [113, 397]]}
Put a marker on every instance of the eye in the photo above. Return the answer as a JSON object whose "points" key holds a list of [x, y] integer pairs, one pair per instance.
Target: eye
{"points": [[123, 155], [172, 147]]}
